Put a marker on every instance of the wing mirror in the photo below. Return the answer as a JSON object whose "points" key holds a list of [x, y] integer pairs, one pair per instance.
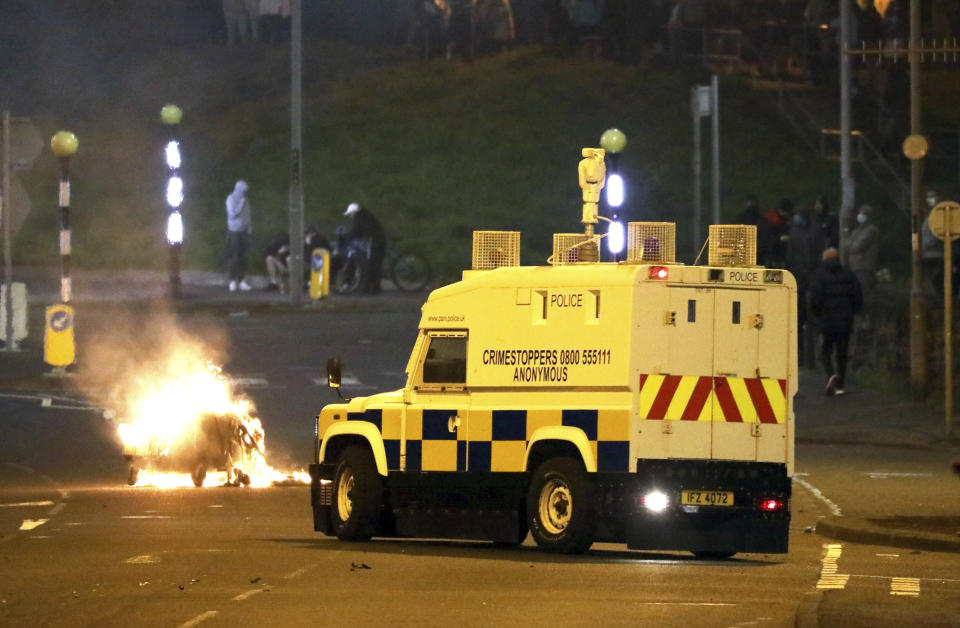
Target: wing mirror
{"points": [[334, 376]]}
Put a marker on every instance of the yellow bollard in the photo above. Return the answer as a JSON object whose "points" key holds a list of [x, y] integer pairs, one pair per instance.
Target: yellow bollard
{"points": [[59, 349], [319, 273]]}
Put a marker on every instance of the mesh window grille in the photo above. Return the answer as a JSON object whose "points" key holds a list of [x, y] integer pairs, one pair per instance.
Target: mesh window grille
{"points": [[651, 242], [493, 249], [733, 245]]}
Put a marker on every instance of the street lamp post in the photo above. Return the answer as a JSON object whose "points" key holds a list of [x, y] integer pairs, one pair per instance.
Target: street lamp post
{"points": [[613, 141], [64, 145], [171, 115]]}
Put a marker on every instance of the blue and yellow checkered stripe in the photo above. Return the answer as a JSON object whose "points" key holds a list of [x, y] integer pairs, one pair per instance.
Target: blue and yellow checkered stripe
{"points": [[498, 439]]}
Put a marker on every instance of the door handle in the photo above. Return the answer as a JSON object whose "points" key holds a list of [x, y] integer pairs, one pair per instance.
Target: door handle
{"points": [[453, 423]]}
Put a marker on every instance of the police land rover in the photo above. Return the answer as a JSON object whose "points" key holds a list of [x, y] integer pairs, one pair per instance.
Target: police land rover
{"points": [[646, 402]]}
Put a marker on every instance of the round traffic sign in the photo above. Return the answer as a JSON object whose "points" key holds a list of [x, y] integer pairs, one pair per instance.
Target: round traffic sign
{"points": [[944, 217], [915, 147]]}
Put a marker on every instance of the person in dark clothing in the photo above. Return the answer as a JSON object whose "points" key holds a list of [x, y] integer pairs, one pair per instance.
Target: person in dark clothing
{"points": [[834, 298], [773, 234], [277, 260], [825, 223], [366, 230], [751, 214], [803, 256]]}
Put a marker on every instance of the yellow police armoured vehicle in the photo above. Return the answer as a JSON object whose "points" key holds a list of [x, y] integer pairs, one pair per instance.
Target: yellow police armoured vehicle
{"points": [[644, 402]]}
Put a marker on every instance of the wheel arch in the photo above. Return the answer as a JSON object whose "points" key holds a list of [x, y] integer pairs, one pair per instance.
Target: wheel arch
{"points": [[339, 436], [559, 440]]}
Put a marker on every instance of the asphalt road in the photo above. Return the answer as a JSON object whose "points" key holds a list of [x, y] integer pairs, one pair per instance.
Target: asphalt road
{"points": [[78, 548]]}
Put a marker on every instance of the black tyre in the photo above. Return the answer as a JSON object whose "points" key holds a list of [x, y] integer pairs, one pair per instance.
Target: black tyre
{"points": [[134, 475], [357, 495], [560, 506], [713, 555], [410, 273], [347, 278], [199, 474]]}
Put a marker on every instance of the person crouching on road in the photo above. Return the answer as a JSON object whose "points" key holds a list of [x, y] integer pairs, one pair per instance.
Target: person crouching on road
{"points": [[277, 260], [366, 229], [239, 228], [835, 297]]}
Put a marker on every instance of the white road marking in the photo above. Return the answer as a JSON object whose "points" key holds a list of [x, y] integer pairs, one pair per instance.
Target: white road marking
{"points": [[32, 524], [199, 619], [834, 509], [298, 572], [885, 475], [145, 559], [829, 578], [46, 402], [249, 594], [145, 517], [905, 586], [27, 504], [56, 509], [890, 556], [683, 604], [249, 382], [346, 380]]}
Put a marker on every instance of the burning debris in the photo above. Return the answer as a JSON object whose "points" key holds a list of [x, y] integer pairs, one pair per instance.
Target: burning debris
{"points": [[193, 424], [178, 418]]}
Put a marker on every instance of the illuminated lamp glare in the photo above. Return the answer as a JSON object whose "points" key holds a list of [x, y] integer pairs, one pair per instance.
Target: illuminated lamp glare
{"points": [[655, 501], [615, 239], [770, 505], [614, 190], [174, 191], [173, 154], [659, 272], [175, 228]]}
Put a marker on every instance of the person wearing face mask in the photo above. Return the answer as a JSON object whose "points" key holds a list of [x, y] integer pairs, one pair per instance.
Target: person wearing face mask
{"points": [[863, 246]]}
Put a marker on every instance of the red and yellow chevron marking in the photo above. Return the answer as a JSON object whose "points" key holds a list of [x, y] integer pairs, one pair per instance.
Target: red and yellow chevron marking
{"points": [[705, 398]]}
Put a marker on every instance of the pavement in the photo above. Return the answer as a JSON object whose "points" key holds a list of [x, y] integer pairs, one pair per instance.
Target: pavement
{"points": [[876, 417]]}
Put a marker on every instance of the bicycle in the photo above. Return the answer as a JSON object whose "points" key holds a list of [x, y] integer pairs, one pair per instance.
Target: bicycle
{"points": [[409, 272]]}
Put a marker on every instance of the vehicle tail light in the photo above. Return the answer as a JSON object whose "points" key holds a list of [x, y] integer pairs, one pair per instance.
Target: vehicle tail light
{"points": [[769, 504], [659, 272]]}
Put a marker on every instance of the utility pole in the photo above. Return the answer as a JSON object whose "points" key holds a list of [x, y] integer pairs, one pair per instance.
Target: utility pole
{"points": [[918, 301], [915, 148], [296, 155]]}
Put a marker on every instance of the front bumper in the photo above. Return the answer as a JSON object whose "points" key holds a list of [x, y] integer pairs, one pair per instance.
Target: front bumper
{"points": [[321, 496]]}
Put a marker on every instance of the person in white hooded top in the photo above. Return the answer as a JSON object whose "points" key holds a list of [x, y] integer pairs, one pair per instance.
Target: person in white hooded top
{"points": [[239, 229]]}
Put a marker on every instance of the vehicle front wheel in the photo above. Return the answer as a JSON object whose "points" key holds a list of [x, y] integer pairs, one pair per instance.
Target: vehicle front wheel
{"points": [[560, 506], [357, 495]]}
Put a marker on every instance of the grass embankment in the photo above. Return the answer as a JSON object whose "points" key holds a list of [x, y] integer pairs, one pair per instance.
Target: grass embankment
{"points": [[436, 150]]}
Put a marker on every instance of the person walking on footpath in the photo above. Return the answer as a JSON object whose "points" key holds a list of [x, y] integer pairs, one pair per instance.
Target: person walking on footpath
{"points": [[239, 228], [863, 247], [835, 298]]}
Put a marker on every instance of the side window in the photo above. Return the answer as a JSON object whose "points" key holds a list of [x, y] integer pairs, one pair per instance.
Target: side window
{"points": [[446, 360]]}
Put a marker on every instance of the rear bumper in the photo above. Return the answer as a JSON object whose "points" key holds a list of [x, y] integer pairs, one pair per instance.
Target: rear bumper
{"points": [[742, 527]]}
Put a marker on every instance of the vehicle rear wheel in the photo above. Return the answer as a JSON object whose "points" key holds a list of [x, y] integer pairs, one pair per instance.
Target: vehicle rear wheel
{"points": [[713, 555], [560, 508], [357, 494]]}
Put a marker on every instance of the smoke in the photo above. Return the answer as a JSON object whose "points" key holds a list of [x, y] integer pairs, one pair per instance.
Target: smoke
{"points": [[131, 352]]}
